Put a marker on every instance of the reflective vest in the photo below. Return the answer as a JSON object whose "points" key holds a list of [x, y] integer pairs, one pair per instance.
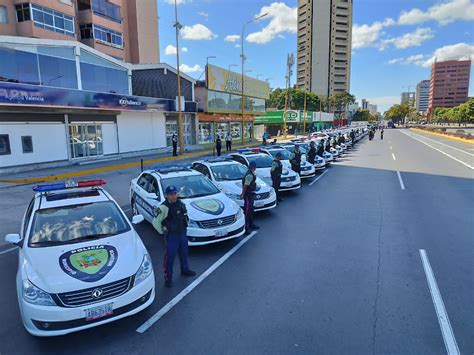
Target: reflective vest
{"points": [[177, 219]]}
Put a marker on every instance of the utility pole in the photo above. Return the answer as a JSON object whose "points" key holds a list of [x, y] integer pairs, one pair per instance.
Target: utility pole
{"points": [[178, 27], [289, 71]]}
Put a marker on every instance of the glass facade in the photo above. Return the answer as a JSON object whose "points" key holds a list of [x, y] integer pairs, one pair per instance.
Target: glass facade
{"points": [[230, 103], [56, 67], [98, 74], [107, 9], [52, 20], [86, 140], [205, 132], [108, 36]]}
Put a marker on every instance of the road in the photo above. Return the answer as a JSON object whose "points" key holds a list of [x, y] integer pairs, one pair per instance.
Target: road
{"points": [[339, 267]]}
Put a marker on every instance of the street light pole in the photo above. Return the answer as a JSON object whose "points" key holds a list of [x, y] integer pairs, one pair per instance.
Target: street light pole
{"points": [[242, 58], [178, 26], [304, 112]]}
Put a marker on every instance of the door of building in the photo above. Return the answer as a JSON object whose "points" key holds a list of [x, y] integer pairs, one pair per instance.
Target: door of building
{"points": [[86, 140]]}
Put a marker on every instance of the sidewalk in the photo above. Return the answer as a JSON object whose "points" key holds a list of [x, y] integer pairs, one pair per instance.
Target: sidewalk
{"points": [[73, 171]]}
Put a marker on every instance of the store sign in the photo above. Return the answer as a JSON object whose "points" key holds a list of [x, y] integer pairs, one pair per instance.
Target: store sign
{"points": [[292, 116], [21, 94], [219, 79]]}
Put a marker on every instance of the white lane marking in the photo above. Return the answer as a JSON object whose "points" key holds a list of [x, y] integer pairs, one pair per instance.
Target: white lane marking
{"points": [[8, 250], [439, 150], [402, 185], [393, 156], [167, 307], [319, 177], [443, 319], [447, 145]]}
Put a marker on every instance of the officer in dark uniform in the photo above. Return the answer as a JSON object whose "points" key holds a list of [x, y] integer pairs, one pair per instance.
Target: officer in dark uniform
{"points": [[174, 140], [321, 149], [171, 221], [295, 159], [312, 152], [249, 185], [275, 172]]}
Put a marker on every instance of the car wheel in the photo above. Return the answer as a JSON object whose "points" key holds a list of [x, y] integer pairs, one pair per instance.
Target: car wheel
{"points": [[134, 207]]}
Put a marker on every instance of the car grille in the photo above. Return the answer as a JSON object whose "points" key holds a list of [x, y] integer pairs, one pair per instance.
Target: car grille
{"points": [[306, 168], [262, 196], [290, 178], [84, 297], [218, 222]]}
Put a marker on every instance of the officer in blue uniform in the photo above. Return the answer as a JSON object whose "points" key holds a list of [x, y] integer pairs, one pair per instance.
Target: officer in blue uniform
{"points": [[249, 185], [171, 221]]}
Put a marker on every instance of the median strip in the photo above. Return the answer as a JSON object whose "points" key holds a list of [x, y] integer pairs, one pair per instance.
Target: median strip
{"points": [[468, 141]]}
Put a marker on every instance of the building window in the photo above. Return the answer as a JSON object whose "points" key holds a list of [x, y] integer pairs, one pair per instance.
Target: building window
{"points": [[107, 9], [23, 12], [27, 144], [3, 14], [108, 36], [4, 144], [53, 20], [86, 31], [84, 5]]}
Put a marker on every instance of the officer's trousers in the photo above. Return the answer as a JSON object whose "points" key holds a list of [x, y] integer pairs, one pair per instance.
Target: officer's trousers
{"points": [[248, 211], [176, 243], [276, 183], [175, 149]]}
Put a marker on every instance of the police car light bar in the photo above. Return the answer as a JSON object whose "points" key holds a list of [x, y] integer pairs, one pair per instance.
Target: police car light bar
{"points": [[170, 168], [256, 150], [68, 185], [243, 150]]}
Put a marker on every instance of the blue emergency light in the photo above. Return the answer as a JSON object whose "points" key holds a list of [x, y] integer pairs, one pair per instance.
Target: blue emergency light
{"points": [[68, 185], [243, 150]]}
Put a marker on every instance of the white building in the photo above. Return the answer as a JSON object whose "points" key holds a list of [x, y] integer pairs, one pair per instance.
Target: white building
{"points": [[62, 102], [422, 97], [372, 109]]}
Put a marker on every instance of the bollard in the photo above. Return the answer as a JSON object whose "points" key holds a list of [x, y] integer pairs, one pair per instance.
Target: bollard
{"points": [[141, 164]]}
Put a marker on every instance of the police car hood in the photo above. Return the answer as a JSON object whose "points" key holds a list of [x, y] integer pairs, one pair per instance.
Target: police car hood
{"points": [[235, 187], [210, 207], [71, 267]]}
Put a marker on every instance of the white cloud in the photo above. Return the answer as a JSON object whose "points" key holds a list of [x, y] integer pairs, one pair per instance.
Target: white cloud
{"points": [[443, 13], [283, 19], [459, 51], [203, 14], [171, 50], [364, 36], [197, 32], [237, 45], [232, 38], [411, 39], [188, 69]]}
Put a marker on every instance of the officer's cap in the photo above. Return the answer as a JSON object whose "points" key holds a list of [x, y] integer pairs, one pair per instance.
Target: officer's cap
{"points": [[171, 190], [278, 155], [252, 165]]}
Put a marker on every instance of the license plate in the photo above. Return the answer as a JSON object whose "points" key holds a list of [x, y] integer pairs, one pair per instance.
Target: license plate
{"points": [[221, 233], [99, 312]]}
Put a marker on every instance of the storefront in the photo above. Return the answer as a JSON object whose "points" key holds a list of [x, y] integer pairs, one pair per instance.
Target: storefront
{"points": [[62, 123], [272, 122], [219, 101]]}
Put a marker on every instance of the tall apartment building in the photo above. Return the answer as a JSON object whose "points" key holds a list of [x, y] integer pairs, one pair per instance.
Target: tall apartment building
{"points": [[124, 29], [422, 96], [365, 104], [408, 97], [324, 46], [449, 83], [373, 109]]}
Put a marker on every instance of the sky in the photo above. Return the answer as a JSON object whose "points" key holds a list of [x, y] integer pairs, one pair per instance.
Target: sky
{"points": [[394, 41]]}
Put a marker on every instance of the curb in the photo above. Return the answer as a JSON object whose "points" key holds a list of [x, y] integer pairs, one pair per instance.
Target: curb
{"points": [[111, 167], [468, 141]]}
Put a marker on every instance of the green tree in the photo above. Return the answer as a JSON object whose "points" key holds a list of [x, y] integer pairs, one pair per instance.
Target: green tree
{"points": [[399, 113]]}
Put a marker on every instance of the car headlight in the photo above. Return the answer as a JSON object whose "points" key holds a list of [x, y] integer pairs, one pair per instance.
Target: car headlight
{"points": [[240, 213], [193, 224], [145, 270], [35, 295]]}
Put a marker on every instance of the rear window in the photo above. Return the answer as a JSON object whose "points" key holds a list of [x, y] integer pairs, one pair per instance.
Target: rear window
{"points": [[261, 161], [76, 223]]}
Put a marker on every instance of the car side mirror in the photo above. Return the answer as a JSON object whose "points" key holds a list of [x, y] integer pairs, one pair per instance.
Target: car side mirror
{"points": [[137, 219], [13, 238]]}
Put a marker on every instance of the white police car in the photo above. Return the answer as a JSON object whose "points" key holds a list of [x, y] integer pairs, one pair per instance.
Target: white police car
{"points": [[81, 263], [290, 180], [213, 216], [319, 162], [307, 169], [227, 175]]}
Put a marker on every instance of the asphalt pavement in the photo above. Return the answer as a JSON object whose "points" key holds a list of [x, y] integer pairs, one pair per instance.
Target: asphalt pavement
{"points": [[338, 268]]}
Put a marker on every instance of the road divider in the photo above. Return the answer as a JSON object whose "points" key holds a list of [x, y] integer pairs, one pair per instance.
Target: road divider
{"points": [[443, 319], [167, 307], [319, 177], [444, 144], [400, 180], [468, 141], [393, 157]]}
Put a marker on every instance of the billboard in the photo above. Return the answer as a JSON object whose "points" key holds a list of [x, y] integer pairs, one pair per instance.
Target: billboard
{"points": [[219, 79]]}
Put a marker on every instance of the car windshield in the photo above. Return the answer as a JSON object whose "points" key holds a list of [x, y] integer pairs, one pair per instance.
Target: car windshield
{"points": [[76, 223], [262, 161], [228, 172], [285, 154], [190, 186]]}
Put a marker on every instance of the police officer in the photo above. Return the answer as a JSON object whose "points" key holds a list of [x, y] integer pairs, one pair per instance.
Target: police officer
{"points": [[171, 220], [275, 173], [320, 151], [174, 140], [295, 159], [312, 152], [218, 145], [249, 186], [353, 137]]}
